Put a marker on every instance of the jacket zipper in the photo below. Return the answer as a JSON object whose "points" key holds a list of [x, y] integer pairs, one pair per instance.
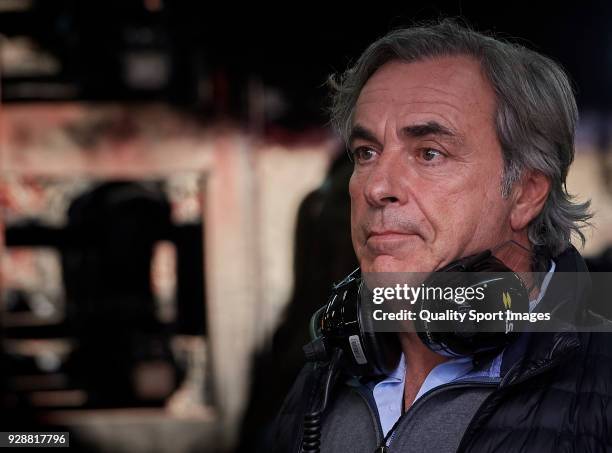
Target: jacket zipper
{"points": [[481, 383], [384, 445]]}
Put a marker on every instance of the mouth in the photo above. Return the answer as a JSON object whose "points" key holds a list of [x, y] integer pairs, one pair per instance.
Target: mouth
{"points": [[388, 241], [388, 234]]}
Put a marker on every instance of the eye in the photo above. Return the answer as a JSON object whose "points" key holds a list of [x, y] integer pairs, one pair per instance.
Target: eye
{"points": [[430, 154], [363, 154]]}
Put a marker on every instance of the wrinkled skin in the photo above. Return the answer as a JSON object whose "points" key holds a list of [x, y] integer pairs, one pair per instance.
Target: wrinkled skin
{"points": [[426, 187]]}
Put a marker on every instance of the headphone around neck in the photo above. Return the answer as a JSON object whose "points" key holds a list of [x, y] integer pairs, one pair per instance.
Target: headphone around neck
{"points": [[344, 322]]}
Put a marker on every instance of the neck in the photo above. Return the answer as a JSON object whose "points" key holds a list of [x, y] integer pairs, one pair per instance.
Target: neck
{"points": [[420, 360], [520, 260]]}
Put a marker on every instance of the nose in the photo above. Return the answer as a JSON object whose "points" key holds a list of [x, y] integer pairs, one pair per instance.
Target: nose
{"points": [[387, 181]]}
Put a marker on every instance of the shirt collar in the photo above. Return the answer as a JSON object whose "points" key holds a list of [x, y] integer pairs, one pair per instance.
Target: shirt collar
{"points": [[545, 282]]}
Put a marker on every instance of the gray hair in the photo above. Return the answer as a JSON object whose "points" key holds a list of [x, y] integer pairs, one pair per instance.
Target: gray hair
{"points": [[536, 113]]}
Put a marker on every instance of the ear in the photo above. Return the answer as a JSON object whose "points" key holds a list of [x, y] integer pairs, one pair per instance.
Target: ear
{"points": [[529, 195]]}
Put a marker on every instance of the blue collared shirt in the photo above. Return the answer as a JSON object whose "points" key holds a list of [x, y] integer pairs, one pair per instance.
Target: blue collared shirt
{"points": [[389, 393]]}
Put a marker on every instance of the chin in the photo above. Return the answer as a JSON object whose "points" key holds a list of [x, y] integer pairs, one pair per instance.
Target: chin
{"points": [[389, 263]]}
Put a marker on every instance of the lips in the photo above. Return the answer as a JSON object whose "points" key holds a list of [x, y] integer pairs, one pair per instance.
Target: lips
{"points": [[388, 233], [388, 240]]}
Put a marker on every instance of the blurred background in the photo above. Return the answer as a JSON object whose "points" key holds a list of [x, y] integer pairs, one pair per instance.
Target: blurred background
{"points": [[173, 205]]}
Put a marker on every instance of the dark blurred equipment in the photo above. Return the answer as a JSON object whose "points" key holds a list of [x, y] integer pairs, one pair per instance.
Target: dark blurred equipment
{"points": [[111, 232], [205, 59], [323, 255], [110, 348], [107, 277], [188, 239]]}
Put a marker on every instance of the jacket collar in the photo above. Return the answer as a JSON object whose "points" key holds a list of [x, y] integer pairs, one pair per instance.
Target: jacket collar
{"points": [[566, 299]]}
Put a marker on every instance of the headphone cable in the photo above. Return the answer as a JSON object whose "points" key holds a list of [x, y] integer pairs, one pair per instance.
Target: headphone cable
{"points": [[311, 439]]}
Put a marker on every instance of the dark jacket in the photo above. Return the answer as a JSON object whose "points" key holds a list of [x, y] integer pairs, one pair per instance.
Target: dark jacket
{"points": [[554, 394]]}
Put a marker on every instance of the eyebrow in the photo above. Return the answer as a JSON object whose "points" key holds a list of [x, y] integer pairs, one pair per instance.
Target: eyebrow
{"points": [[359, 132], [415, 130], [429, 128]]}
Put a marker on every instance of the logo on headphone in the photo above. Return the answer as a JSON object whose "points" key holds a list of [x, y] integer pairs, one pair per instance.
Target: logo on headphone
{"points": [[507, 300]]}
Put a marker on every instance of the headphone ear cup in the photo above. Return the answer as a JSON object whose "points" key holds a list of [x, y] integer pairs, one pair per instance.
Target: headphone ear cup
{"points": [[503, 290], [347, 325], [383, 349]]}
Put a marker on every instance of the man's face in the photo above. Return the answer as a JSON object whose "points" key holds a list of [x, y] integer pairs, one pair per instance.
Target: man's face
{"points": [[426, 187]]}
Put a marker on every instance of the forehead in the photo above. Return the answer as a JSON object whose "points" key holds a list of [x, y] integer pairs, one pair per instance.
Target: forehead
{"points": [[452, 89]]}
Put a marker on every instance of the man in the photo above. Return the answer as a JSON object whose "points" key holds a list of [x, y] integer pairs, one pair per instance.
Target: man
{"points": [[462, 143]]}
